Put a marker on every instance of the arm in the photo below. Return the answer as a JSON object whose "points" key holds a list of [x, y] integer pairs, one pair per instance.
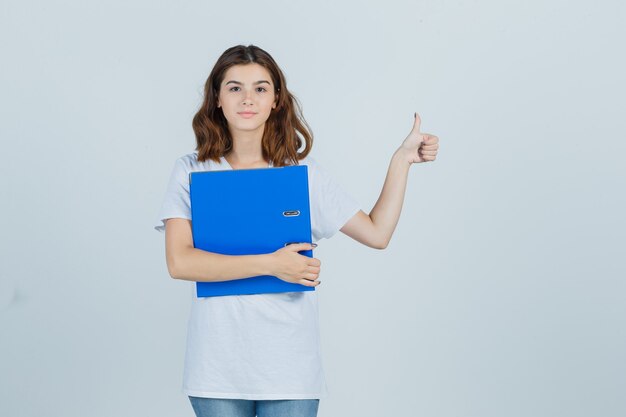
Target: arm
{"points": [[188, 263], [375, 230]]}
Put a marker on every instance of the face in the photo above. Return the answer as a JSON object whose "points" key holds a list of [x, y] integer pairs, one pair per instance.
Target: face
{"points": [[247, 97]]}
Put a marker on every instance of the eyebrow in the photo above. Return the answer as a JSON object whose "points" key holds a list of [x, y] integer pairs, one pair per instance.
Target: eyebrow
{"points": [[256, 83]]}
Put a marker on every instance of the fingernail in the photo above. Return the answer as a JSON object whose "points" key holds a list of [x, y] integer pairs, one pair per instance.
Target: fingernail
{"points": [[314, 245]]}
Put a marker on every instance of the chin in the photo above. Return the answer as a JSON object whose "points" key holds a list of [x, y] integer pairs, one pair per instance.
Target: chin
{"points": [[247, 128]]}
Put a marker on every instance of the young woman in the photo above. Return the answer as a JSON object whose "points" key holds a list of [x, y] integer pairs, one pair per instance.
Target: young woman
{"points": [[260, 354]]}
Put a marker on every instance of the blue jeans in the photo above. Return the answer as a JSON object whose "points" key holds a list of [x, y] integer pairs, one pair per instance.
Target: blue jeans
{"points": [[223, 407]]}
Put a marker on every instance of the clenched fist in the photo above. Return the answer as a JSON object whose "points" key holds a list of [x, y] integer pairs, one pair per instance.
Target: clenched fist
{"points": [[418, 146]]}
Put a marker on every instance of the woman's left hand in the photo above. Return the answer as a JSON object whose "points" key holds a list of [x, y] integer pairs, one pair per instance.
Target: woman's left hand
{"points": [[418, 146]]}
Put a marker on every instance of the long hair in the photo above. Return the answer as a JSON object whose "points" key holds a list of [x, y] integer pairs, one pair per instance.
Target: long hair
{"points": [[280, 143]]}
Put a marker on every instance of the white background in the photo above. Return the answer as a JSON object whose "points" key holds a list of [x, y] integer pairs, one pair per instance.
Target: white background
{"points": [[502, 291]]}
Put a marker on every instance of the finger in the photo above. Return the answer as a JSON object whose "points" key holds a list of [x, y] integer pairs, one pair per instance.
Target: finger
{"points": [[430, 139], [313, 269], [417, 123], [309, 276], [313, 262], [309, 282], [426, 153], [297, 247]]}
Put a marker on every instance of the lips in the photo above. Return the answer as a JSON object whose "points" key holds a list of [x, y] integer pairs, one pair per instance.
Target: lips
{"points": [[246, 114]]}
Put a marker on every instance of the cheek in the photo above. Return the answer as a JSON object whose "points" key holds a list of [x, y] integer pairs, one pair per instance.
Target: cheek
{"points": [[227, 107], [225, 100], [268, 104]]}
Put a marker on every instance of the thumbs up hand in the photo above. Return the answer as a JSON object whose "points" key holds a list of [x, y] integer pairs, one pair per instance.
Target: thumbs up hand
{"points": [[418, 146]]}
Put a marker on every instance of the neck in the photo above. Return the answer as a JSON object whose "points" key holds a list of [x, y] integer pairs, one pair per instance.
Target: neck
{"points": [[246, 148]]}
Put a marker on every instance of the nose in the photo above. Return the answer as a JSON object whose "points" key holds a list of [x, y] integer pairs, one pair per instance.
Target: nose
{"points": [[247, 99]]}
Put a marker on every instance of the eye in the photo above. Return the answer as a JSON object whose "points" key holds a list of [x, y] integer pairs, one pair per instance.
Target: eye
{"points": [[231, 89], [262, 88]]}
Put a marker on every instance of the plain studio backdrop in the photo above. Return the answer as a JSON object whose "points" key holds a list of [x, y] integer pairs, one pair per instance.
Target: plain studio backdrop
{"points": [[502, 291]]}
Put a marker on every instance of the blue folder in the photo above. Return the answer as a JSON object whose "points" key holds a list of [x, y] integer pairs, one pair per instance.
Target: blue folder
{"points": [[250, 212]]}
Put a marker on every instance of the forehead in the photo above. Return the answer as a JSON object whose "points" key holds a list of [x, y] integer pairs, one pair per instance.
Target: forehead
{"points": [[248, 73]]}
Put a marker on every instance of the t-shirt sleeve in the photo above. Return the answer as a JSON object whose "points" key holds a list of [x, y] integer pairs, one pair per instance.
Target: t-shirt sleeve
{"points": [[176, 203], [331, 205]]}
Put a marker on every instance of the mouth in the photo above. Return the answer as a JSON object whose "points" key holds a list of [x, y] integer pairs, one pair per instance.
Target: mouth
{"points": [[246, 113]]}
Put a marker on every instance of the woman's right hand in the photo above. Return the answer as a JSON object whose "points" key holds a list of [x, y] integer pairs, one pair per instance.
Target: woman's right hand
{"points": [[290, 266]]}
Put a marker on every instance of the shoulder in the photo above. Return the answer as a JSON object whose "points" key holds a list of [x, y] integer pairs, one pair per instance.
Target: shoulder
{"points": [[184, 165], [310, 162], [316, 169], [313, 168], [189, 163], [188, 160]]}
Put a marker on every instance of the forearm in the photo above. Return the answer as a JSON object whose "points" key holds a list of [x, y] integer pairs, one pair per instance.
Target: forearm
{"points": [[386, 211], [199, 265]]}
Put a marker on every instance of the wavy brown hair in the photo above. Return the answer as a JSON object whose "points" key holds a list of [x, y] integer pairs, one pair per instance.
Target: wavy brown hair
{"points": [[280, 143]]}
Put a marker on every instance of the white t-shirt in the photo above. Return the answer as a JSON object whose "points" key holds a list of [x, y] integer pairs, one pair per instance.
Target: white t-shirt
{"points": [[257, 346]]}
